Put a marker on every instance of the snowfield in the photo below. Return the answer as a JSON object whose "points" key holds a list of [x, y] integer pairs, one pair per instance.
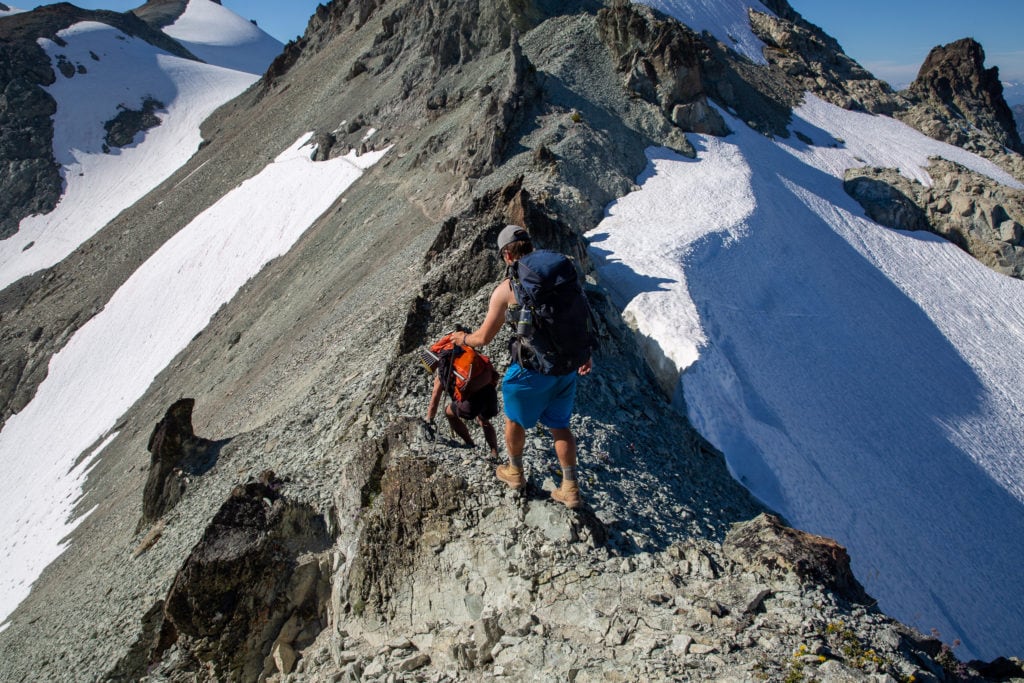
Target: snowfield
{"points": [[120, 72], [866, 383]]}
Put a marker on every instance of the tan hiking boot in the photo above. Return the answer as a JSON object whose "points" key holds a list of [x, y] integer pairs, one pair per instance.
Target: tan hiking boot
{"points": [[513, 476], [568, 495]]}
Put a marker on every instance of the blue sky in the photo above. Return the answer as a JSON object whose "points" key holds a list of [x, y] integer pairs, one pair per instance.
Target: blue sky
{"points": [[890, 38]]}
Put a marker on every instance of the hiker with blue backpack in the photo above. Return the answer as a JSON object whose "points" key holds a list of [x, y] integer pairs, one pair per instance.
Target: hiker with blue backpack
{"points": [[551, 345]]}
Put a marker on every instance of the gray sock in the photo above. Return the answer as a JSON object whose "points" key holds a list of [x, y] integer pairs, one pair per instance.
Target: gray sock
{"points": [[516, 462], [569, 473]]}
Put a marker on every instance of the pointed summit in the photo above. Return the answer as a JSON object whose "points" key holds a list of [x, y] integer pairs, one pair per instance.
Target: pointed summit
{"points": [[954, 79]]}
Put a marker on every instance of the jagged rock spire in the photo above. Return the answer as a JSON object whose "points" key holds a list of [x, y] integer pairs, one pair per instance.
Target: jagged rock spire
{"points": [[954, 77]]}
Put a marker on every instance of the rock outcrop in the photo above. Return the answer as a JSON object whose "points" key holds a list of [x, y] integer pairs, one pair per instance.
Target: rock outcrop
{"points": [[122, 129], [814, 62], [252, 592], [30, 180], [978, 215], [767, 547], [175, 454], [957, 100]]}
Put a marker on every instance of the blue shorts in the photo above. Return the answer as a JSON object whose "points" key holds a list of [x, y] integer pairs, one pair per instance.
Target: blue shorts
{"points": [[531, 397]]}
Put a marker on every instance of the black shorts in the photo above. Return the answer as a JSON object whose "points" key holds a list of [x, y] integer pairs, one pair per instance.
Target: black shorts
{"points": [[483, 403]]}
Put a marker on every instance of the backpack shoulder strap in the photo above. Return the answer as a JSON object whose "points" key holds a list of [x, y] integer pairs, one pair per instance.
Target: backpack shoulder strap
{"points": [[514, 283]]}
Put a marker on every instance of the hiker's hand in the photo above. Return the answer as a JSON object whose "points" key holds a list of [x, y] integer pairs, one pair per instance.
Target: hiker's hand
{"points": [[429, 430], [586, 367]]}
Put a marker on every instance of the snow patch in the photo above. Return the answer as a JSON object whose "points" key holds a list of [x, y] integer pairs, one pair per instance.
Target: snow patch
{"points": [[119, 72], [726, 20]]}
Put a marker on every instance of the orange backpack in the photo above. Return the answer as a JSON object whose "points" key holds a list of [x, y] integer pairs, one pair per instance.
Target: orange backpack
{"points": [[462, 369]]}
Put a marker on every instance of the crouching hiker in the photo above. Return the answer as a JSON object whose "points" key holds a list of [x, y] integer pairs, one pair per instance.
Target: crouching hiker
{"points": [[469, 379], [541, 298]]}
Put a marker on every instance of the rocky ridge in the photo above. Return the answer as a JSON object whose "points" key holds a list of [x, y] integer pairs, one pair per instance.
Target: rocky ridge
{"points": [[354, 545]]}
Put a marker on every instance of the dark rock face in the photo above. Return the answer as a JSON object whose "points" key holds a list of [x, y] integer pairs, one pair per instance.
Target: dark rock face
{"points": [[252, 590], [954, 80], [413, 498], [30, 181], [174, 448], [768, 546], [122, 129]]}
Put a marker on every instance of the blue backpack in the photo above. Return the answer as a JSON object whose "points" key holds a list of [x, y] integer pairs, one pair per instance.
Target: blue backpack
{"points": [[552, 331]]}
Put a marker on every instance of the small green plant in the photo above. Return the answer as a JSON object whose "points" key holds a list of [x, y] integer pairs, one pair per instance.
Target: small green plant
{"points": [[576, 117], [854, 654], [795, 671]]}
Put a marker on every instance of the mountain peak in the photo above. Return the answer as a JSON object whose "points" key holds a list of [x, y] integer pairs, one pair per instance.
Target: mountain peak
{"points": [[954, 79]]}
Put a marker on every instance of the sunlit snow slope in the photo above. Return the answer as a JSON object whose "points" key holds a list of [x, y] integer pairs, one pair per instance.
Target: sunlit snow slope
{"points": [[108, 364], [112, 359], [121, 71], [866, 383], [218, 36]]}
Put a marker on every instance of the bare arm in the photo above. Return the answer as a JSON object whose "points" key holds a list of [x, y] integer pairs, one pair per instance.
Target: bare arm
{"points": [[501, 298]]}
